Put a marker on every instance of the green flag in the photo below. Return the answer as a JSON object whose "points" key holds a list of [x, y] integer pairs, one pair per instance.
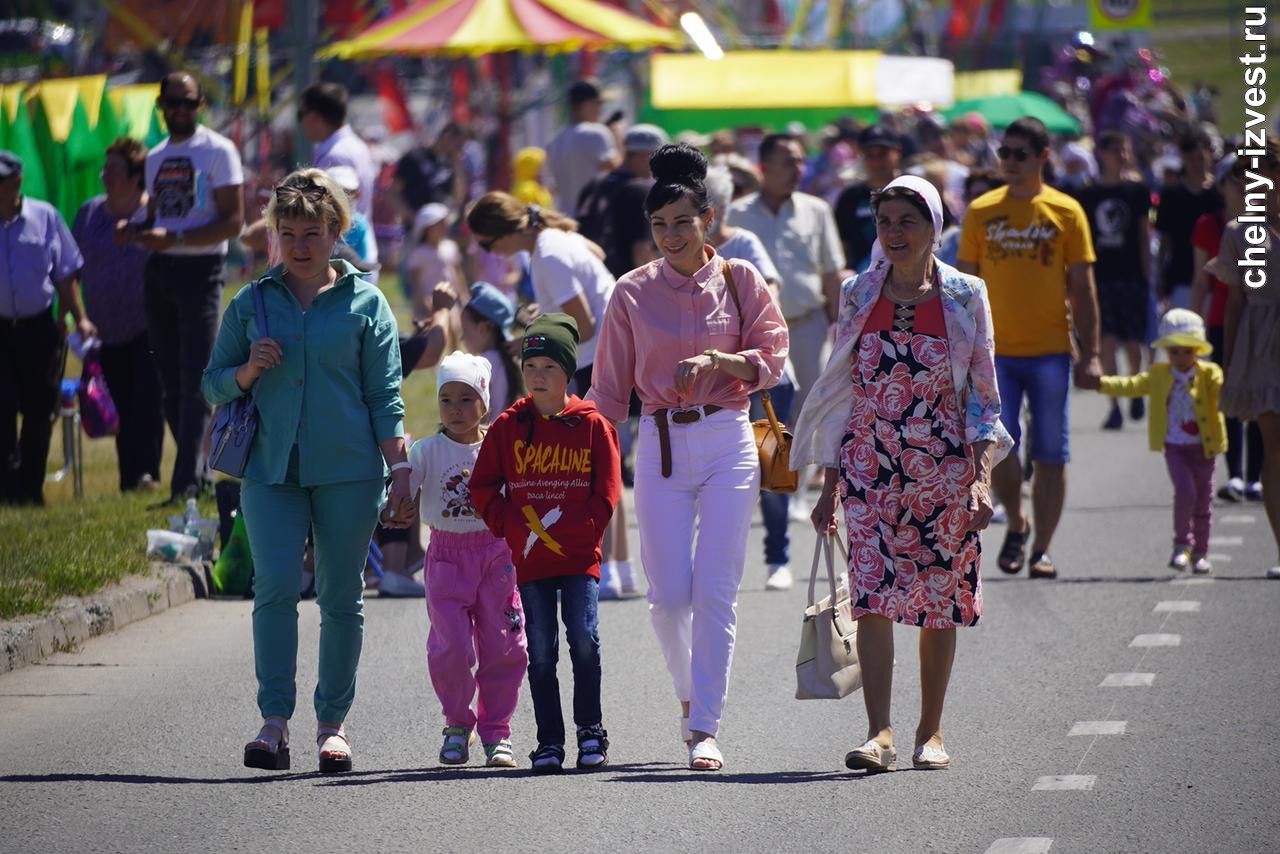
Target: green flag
{"points": [[21, 140]]}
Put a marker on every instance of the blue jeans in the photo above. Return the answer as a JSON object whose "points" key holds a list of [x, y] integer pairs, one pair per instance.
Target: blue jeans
{"points": [[1046, 383], [774, 506], [578, 598]]}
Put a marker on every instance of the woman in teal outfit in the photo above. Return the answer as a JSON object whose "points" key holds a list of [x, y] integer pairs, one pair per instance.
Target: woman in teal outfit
{"points": [[331, 422]]}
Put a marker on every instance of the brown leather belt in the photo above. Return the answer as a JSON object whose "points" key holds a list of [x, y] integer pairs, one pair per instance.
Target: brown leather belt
{"points": [[677, 416]]}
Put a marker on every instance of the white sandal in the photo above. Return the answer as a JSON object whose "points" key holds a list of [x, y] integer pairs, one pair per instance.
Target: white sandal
{"points": [[706, 751], [335, 749], [270, 750]]}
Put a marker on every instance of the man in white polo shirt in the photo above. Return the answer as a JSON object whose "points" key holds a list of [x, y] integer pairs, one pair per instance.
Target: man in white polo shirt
{"points": [[799, 232]]}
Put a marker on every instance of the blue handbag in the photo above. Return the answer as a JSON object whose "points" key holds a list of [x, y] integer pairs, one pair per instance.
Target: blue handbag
{"points": [[235, 424]]}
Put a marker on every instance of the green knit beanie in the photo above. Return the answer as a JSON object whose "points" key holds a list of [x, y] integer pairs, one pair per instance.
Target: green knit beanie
{"points": [[555, 336]]}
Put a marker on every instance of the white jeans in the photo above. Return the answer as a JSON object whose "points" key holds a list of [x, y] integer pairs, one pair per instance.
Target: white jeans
{"points": [[693, 586]]}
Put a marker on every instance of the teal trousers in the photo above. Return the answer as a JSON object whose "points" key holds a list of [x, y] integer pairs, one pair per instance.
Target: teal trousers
{"points": [[342, 518]]}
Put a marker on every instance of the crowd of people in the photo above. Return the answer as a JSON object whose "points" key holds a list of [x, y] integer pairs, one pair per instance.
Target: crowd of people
{"points": [[917, 297]]}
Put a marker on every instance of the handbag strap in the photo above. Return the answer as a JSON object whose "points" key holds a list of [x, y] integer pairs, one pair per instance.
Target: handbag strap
{"points": [[824, 547], [774, 425], [260, 313]]}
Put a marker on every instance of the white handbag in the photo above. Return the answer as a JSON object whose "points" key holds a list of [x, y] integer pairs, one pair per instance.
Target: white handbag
{"points": [[827, 664]]}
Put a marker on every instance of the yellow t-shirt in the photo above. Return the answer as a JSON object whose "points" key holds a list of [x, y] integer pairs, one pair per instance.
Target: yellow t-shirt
{"points": [[1022, 249]]}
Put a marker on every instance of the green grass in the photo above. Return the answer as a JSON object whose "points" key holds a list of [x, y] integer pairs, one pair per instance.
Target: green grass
{"points": [[73, 547], [1200, 40]]}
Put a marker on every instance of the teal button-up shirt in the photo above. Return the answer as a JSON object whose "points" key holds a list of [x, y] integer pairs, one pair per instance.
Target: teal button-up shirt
{"points": [[336, 395]]}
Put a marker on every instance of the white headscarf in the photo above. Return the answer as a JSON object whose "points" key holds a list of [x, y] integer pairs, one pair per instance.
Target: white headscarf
{"points": [[460, 367], [929, 195]]}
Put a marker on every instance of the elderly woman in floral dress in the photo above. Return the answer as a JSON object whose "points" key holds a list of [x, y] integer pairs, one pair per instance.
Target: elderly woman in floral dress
{"points": [[905, 419]]}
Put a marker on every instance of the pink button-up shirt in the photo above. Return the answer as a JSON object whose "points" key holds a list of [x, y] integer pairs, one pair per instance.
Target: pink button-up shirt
{"points": [[657, 317]]}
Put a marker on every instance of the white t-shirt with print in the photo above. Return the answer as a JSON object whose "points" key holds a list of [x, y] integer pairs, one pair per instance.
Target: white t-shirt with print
{"points": [[1183, 427], [181, 178], [442, 470], [562, 266]]}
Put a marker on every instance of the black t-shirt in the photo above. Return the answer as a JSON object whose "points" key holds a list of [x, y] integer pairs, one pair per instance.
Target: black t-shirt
{"points": [[1176, 217], [425, 178], [611, 212], [1116, 213], [856, 223]]}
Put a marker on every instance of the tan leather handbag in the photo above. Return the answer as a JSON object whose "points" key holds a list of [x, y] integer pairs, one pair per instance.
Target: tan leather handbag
{"points": [[827, 665], [773, 441]]}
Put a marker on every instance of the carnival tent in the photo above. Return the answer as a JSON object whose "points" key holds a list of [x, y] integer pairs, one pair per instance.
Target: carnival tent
{"points": [[476, 27]]}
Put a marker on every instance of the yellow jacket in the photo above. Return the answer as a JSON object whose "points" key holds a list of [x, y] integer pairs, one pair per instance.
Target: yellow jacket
{"points": [[1156, 385]]}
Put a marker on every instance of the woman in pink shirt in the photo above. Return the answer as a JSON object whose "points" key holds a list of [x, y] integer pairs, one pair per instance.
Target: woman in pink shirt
{"points": [[675, 333]]}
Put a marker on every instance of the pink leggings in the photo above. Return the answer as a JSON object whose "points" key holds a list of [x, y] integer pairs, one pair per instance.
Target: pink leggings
{"points": [[475, 615], [1192, 476]]}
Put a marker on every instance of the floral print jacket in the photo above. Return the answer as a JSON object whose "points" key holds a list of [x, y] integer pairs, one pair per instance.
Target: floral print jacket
{"points": [[971, 349]]}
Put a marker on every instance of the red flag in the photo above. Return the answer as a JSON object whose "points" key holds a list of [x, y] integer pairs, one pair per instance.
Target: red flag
{"points": [[964, 15], [395, 108], [269, 14]]}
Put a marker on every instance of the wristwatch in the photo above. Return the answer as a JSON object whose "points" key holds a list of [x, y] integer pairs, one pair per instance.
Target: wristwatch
{"points": [[715, 358]]}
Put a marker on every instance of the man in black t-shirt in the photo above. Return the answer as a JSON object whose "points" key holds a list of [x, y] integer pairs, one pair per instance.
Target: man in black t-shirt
{"points": [[881, 150], [1180, 206], [1118, 211], [431, 173], [611, 207]]}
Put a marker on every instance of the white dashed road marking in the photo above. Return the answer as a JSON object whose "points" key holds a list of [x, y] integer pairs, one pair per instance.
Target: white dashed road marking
{"points": [[1021, 845], [1218, 557], [1065, 783], [1128, 680], [1237, 520], [1099, 728], [1200, 579], [1228, 541], [1157, 640], [1182, 606]]}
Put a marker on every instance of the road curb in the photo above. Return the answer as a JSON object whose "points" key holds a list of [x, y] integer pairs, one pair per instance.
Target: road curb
{"points": [[75, 620]]}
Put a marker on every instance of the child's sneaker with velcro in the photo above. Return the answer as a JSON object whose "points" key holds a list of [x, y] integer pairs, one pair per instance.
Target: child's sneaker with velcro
{"points": [[593, 747]]}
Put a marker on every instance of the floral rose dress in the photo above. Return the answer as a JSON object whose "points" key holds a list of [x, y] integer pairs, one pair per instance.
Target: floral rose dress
{"points": [[905, 475]]}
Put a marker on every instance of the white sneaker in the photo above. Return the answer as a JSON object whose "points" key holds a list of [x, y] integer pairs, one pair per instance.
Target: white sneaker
{"points": [[395, 585], [1180, 559], [610, 584], [1202, 566], [779, 577], [1274, 572], [999, 515], [626, 576]]}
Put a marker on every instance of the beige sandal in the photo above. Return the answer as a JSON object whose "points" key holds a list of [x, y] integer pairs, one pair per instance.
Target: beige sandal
{"points": [[335, 749], [705, 751], [270, 750]]}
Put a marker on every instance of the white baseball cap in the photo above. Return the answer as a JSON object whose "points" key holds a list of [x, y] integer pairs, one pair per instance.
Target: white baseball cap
{"points": [[429, 215]]}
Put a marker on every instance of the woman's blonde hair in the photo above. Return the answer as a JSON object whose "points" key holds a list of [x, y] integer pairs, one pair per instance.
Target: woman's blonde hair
{"points": [[310, 194], [498, 214]]}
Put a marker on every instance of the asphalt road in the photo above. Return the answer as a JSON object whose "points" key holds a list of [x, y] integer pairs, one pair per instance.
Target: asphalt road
{"points": [[133, 743]]}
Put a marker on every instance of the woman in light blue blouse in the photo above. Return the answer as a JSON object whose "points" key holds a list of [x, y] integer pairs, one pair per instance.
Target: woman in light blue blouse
{"points": [[331, 422]]}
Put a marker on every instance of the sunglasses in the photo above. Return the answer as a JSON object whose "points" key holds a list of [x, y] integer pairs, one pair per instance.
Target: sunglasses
{"points": [[486, 243], [1021, 155], [179, 103]]}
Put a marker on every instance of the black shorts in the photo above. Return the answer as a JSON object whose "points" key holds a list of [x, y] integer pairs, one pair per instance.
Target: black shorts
{"points": [[1122, 309]]}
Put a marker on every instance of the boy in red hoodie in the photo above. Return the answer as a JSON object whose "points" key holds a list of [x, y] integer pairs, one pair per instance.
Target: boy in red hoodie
{"points": [[547, 479]]}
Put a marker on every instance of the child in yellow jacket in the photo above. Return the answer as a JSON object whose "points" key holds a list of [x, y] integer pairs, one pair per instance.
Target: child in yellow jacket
{"points": [[1184, 422]]}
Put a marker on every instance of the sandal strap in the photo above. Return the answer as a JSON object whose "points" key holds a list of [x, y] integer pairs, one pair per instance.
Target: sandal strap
{"points": [[324, 733], [280, 725]]}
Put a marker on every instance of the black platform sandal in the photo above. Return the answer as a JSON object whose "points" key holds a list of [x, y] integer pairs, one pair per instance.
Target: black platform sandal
{"points": [[270, 750]]}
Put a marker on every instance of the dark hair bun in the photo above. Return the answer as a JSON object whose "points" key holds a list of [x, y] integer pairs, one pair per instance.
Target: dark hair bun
{"points": [[678, 163]]}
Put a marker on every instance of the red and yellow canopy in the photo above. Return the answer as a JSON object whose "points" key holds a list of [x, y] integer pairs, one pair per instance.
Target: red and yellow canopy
{"points": [[472, 27]]}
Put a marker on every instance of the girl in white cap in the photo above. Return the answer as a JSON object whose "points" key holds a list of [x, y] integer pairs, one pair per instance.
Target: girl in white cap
{"points": [[1185, 423], [477, 640], [435, 258]]}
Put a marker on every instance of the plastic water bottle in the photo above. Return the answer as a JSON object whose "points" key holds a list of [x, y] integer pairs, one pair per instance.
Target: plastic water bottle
{"points": [[191, 515]]}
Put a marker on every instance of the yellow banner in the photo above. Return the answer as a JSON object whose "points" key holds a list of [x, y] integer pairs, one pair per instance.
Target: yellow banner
{"points": [[765, 78], [1119, 15]]}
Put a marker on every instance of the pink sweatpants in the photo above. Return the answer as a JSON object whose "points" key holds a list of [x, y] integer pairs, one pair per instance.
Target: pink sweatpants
{"points": [[1192, 476], [475, 615]]}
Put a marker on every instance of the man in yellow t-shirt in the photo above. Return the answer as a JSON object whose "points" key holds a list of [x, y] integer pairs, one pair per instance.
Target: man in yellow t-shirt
{"points": [[1031, 244]]}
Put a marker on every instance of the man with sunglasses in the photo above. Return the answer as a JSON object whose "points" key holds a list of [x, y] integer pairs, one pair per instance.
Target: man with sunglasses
{"points": [[196, 206], [1032, 245]]}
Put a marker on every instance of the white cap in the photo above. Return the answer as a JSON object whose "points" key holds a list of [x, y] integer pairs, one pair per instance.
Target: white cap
{"points": [[345, 177], [460, 367], [429, 215]]}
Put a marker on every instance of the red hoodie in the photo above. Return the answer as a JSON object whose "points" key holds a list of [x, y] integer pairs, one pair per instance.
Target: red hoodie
{"points": [[548, 486]]}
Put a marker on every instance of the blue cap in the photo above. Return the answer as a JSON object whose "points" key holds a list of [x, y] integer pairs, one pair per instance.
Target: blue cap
{"points": [[493, 305]]}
